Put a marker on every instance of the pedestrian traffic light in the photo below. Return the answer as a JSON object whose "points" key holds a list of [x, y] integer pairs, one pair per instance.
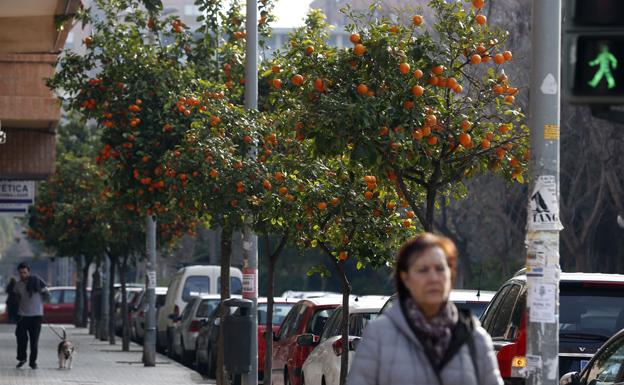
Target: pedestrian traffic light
{"points": [[594, 55]]}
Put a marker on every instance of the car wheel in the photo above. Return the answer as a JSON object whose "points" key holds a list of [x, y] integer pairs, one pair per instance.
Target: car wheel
{"points": [[323, 381]]}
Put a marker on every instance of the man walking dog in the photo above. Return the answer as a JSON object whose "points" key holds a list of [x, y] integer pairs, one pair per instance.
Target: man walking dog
{"points": [[31, 291]]}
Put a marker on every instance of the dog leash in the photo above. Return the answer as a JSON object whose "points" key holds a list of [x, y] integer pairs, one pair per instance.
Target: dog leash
{"points": [[58, 335]]}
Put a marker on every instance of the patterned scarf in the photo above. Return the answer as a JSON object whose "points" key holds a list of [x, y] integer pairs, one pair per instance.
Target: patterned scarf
{"points": [[435, 334]]}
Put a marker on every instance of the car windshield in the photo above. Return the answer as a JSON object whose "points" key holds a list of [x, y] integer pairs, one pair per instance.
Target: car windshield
{"points": [[195, 285], [590, 313], [280, 310], [476, 308]]}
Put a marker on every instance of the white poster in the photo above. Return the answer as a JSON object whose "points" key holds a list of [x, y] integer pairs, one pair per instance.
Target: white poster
{"points": [[541, 302], [544, 213], [151, 279]]}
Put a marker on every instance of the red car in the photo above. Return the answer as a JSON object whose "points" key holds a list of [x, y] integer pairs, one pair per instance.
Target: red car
{"points": [[303, 324], [59, 308], [281, 308]]}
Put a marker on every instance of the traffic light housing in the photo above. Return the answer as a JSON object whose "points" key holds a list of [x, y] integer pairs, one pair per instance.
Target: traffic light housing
{"points": [[594, 54]]}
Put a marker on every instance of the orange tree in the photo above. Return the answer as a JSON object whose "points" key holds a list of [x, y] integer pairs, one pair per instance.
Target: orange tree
{"points": [[65, 219], [423, 106]]}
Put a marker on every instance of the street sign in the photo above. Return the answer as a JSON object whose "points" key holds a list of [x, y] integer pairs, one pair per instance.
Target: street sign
{"points": [[16, 196]]}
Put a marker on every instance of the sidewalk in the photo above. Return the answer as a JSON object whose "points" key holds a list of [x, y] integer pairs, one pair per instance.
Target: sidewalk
{"points": [[96, 363]]}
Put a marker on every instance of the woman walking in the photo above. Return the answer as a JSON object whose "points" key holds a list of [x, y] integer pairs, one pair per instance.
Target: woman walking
{"points": [[423, 339]]}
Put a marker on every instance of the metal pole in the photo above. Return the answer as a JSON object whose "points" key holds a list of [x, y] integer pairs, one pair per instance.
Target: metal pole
{"points": [[543, 269], [250, 240], [149, 344]]}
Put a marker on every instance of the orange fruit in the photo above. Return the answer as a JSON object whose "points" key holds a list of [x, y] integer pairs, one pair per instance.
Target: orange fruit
{"points": [[309, 50], [359, 49], [407, 223], [485, 144], [297, 80], [283, 190], [319, 84], [465, 125], [503, 128], [362, 89], [458, 89], [478, 3], [434, 80], [509, 99], [368, 195], [418, 74], [370, 179], [514, 162], [404, 68], [371, 93], [465, 139], [321, 205], [475, 59], [277, 83], [418, 90], [266, 184], [334, 201], [442, 82], [451, 83], [275, 69], [391, 205], [409, 214], [489, 136], [408, 104], [433, 140], [426, 131], [383, 131], [417, 134], [437, 70], [481, 49], [290, 197], [431, 120], [507, 55], [498, 58], [354, 38], [279, 176], [343, 256], [417, 20], [498, 89], [481, 19], [213, 173]]}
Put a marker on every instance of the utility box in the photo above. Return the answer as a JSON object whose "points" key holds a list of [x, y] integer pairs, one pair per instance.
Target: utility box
{"points": [[237, 336]]}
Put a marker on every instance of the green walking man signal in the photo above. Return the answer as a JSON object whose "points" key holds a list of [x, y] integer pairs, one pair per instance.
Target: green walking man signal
{"points": [[606, 61]]}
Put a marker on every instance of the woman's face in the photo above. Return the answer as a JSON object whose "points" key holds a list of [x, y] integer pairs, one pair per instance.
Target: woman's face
{"points": [[428, 279]]}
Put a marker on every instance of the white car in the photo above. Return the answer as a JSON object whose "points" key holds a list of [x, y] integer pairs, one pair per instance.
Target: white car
{"points": [[322, 367], [191, 321], [188, 282]]}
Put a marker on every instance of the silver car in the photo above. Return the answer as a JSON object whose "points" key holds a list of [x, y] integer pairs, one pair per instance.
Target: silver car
{"points": [[189, 324], [138, 316]]}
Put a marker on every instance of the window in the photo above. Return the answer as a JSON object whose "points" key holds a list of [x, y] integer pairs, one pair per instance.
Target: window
{"points": [[70, 296], [187, 309], [206, 307], [359, 321], [55, 297], [288, 322], [591, 310], [194, 286], [160, 299], [332, 327], [318, 321], [500, 322], [607, 367], [236, 286], [280, 311]]}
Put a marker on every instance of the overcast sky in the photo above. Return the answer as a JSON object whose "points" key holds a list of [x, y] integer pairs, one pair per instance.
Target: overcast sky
{"points": [[290, 13]]}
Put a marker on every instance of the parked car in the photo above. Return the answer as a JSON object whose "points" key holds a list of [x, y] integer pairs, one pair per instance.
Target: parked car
{"points": [[307, 318], [131, 292], [137, 330], [206, 343], [474, 300], [590, 312], [308, 294], [322, 367], [605, 367], [185, 332], [60, 304], [188, 282]]}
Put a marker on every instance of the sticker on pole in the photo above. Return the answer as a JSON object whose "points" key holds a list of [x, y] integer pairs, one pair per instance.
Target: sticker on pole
{"points": [[542, 301], [249, 282], [151, 279], [549, 85], [544, 213]]}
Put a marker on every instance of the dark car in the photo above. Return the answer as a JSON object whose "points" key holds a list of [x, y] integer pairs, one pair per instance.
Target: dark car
{"points": [[591, 311], [606, 367], [206, 344]]}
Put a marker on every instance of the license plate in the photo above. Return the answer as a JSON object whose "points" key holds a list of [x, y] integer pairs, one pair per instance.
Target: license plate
{"points": [[584, 364]]}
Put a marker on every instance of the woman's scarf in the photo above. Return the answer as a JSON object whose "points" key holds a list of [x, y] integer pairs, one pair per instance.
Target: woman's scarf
{"points": [[436, 333]]}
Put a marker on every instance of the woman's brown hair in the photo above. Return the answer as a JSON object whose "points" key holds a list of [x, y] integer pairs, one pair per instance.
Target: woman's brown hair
{"points": [[414, 249]]}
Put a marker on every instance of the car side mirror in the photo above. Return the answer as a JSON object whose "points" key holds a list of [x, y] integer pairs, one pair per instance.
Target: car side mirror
{"points": [[356, 342], [571, 378], [307, 340], [216, 322]]}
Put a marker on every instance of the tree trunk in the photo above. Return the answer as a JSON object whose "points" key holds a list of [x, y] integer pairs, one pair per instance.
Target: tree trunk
{"points": [[125, 330], [104, 300], [226, 251], [79, 300], [84, 294], [96, 290], [430, 209], [111, 301], [272, 261]]}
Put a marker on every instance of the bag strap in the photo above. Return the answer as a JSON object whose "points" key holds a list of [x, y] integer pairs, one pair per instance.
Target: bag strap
{"points": [[473, 354]]}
